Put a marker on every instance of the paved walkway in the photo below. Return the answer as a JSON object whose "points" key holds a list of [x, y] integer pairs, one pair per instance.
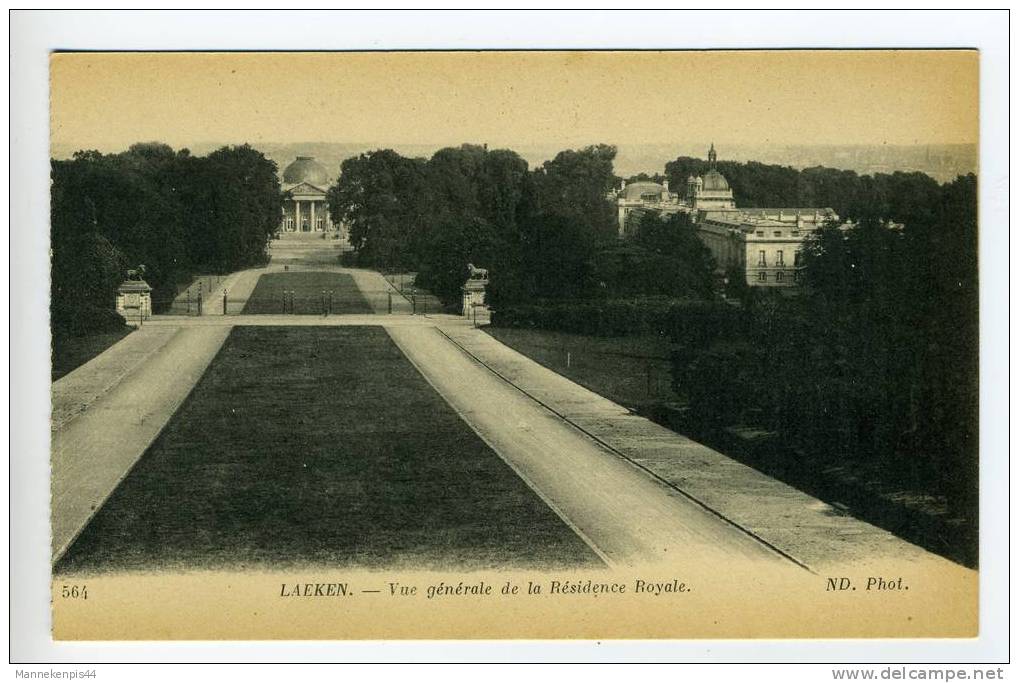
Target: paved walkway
{"points": [[238, 287], [378, 292], [219, 320], [73, 393], [799, 526], [627, 517], [94, 451]]}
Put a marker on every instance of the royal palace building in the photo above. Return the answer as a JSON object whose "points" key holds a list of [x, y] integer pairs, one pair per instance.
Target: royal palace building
{"points": [[764, 245], [305, 208]]}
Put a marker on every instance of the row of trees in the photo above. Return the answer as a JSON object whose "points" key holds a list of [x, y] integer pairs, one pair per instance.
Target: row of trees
{"points": [[550, 232], [906, 196], [173, 212], [543, 233]]}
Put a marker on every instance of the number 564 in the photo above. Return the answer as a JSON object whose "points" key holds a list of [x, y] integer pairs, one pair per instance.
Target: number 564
{"points": [[74, 592]]}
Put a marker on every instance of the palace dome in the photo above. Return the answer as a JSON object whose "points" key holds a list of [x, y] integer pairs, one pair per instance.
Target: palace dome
{"points": [[641, 188], [713, 180], [306, 170]]}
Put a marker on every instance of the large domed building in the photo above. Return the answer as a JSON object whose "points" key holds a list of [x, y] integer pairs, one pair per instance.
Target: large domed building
{"points": [[632, 199], [711, 191], [305, 209], [763, 244]]}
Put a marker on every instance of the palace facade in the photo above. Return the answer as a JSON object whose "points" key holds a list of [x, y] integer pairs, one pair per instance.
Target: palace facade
{"points": [[763, 244], [305, 208], [634, 199]]}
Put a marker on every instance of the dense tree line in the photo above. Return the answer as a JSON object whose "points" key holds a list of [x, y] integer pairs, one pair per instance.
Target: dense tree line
{"points": [[547, 233], [643, 177], [875, 362], [172, 212], [904, 195]]}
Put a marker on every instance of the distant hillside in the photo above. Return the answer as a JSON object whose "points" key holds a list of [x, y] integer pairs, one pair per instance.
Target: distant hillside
{"points": [[941, 162]]}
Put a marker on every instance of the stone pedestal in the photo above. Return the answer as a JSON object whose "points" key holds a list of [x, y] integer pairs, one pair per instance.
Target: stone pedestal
{"points": [[134, 301], [474, 295]]}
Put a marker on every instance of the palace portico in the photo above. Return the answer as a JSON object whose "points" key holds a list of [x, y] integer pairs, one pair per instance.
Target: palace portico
{"points": [[305, 209]]}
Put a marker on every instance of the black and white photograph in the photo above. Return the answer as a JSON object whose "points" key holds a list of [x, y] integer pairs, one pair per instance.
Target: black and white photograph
{"points": [[416, 344]]}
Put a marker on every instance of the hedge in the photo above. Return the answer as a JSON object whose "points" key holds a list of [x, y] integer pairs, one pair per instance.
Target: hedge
{"points": [[694, 323]]}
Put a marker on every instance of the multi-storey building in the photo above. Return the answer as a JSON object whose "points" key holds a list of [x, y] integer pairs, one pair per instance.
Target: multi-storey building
{"points": [[636, 198], [764, 244]]}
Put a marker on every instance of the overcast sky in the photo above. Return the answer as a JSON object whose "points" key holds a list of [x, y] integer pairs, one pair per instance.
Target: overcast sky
{"points": [[108, 101]]}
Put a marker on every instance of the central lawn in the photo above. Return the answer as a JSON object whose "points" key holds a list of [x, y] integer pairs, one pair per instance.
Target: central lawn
{"points": [[308, 297], [324, 446]]}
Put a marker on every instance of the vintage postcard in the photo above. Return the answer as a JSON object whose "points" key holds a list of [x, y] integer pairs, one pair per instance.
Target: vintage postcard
{"points": [[514, 345]]}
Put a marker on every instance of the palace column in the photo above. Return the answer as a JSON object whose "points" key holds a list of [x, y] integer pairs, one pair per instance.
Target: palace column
{"points": [[313, 226], [297, 215]]}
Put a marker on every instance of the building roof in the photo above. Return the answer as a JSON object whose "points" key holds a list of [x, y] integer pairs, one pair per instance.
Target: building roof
{"points": [[306, 190], [713, 180], [784, 212], [306, 170], [751, 219], [638, 189]]}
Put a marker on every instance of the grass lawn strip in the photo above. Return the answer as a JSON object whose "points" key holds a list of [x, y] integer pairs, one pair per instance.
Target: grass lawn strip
{"points": [[311, 294], [320, 446]]}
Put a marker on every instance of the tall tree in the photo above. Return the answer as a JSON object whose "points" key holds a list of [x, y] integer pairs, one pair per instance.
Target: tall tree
{"points": [[246, 205], [172, 212], [575, 186], [382, 197]]}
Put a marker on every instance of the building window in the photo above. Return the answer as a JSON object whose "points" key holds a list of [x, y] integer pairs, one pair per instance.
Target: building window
{"points": [[760, 259], [778, 233], [779, 276], [760, 233], [780, 260], [762, 277], [797, 259], [795, 233]]}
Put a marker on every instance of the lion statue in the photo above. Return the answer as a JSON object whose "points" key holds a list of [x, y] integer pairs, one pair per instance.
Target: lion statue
{"points": [[136, 273]]}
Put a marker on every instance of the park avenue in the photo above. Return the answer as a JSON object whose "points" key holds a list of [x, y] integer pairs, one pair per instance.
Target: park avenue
{"points": [[599, 468]]}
